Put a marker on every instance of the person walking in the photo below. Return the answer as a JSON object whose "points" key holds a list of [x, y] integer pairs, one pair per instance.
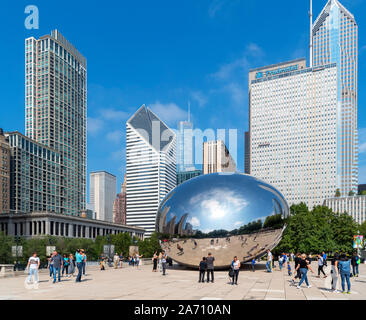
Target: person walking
{"points": [[163, 261], [235, 265], [334, 272], [304, 266], [32, 267], [253, 264], [50, 264], [297, 261], [79, 264], [65, 265], [202, 269], [345, 270], [84, 260], [355, 261], [310, 258], [324, 255], [280, 261], [160, 267], [71, 269], [269, 261], [57, 266], [115, 260], [320, 266], [210, 267], [155, 262]]}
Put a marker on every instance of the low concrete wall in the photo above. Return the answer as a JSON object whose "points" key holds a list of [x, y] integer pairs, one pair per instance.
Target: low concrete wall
{"points": [[6, 270]]}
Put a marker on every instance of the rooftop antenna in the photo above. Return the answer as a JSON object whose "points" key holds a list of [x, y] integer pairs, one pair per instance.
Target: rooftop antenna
{"points": [[311, 33]]}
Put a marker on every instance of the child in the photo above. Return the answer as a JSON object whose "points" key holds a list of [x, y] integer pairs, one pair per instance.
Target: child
{"points": [[202, 269], [289, 269], [101, 265], [253, 263]]}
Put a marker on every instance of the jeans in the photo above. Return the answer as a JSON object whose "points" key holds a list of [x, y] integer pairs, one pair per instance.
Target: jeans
{"points": [[65, 267], [355, 269], [253, 267], [269, 266], [202, 276], [235, 276], [345, 276], [51, 270], [80, 270], [33, 272], [280, 264], [320, 269], [84, 263], [208, 275], [164, 267], [304, 276], [334, 278], [58, 271]]}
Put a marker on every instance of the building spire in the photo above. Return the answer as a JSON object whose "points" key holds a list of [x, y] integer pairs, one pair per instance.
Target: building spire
{"points": [[311, 33]]}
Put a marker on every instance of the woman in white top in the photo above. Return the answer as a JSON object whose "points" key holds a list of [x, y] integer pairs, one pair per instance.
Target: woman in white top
{"points": [[235, 265]]}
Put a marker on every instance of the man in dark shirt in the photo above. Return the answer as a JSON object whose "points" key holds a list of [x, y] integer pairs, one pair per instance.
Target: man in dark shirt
{"points": [[57, 265], [210, 267], [297, 262], [202, 269]]}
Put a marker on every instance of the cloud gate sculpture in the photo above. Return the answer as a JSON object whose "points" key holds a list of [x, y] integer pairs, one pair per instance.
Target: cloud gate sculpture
{"points": [[227, 214]]}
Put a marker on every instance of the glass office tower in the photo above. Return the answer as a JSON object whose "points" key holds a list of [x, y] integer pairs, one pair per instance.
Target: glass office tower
{"points": [[335, 37], [55, 108]]}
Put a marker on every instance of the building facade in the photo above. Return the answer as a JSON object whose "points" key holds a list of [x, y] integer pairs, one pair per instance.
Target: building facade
{"points": [[55, 108], [216, 158], [186, 175], [293, 129], [102, 191], [39, 224], [150, 167], [119, 205], [4, 174], [185, 154], [335, 40], [247, 152], [354, 206], [36, 176]]}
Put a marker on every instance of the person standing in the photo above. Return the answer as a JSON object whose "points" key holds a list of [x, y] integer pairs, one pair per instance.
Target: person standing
{"points": [[79, 264], [32, 267], [324, 255], [253, 264], [235, 265], [138, 257], [210, 267], [57, 266], [159, 262], [344, 270], [297, 261], [50, 265], [163, 261], [310, 258], [115, 260], [269, 261], [65, 264], [84, 260], [304, 266], [334, 272], [202, 269], [121, 260], [155, 261], [71, 268], [320, 266], [355, 262], [280, 261]]}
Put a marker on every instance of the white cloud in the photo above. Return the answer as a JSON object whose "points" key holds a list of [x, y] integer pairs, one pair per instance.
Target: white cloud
{"points": [[199, 97], [237, 92], [238, 223], [117, 155], [112, 114], [254, 50], [94, 125], [115, 136], [194, 221], [215, 6], [170, 113]]}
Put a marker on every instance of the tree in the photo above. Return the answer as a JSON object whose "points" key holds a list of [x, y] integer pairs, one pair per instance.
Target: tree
{"points": [[337, 193], [351, 193], [5, 248]]}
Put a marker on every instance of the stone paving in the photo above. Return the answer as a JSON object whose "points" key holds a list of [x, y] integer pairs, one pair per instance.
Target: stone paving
{"points": [[178, 284]]}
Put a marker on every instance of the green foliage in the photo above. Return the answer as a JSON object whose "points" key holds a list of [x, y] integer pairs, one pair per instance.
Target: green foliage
{"points": [[5, 248], [362, 229], [317, 230], [338, 193], [275, 222], [351, 193]]}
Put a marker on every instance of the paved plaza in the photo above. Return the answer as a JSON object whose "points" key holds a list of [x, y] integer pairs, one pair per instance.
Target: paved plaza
{"points": [[178, 284]]}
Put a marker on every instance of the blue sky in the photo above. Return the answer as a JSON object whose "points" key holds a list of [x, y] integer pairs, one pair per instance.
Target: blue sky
{"points": [[162, 54]]}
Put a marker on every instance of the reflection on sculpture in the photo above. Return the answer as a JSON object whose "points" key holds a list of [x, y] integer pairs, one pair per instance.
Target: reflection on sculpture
{"points": [[226, 214]]}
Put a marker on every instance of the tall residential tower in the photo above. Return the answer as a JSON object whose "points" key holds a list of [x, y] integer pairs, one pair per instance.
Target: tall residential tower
{"points": [[55, 108]]}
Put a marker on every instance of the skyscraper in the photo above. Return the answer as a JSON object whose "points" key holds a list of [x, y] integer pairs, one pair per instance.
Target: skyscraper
{"points": [[335, 40], [4, 174], [150, 167], [55, 108], [293, 129], [119, 205], [102, 194], [216, 158]]}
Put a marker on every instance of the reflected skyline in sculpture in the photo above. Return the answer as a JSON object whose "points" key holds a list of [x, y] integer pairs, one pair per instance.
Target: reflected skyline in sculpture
{"points": [[216, 206]]}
